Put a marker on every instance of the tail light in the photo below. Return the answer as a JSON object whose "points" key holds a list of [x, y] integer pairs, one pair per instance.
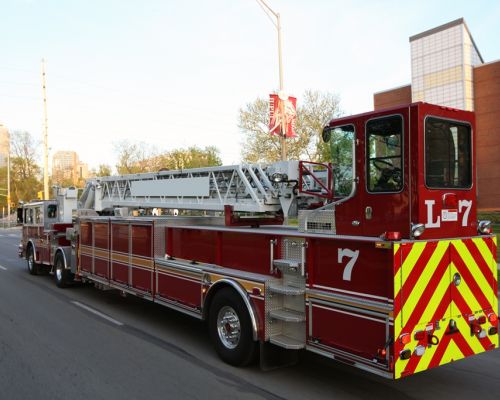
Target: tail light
{"points": [[481, 320], [493, 318], [450, 201], [405, 338], [405, 354]]}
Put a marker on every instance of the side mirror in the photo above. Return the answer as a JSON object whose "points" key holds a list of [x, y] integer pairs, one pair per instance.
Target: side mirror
{"points": [[326, 134]]}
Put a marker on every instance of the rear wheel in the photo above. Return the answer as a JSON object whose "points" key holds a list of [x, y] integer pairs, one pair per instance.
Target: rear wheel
{"points": [[231, 328], [33, 267], [62, 276]]}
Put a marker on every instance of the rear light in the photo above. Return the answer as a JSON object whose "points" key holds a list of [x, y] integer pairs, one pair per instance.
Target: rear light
{"points": [[392, 235], [417, 229], [405, 354], [419, 350], [381, 353], [475, 329], [492, 331], [482, 334], [450, 201], [405, 338], [484, 227], [481, 320], [493, 318], [420, 335]]}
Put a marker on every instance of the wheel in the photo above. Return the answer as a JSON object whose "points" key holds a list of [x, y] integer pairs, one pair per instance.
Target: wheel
{"points": [[62, 275], [33, 267], [231, 328]]}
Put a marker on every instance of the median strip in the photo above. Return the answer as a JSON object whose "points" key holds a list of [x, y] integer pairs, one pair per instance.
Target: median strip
{"points": [[98, 313]]}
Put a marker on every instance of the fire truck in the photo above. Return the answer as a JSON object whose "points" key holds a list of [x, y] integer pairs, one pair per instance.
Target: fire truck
{"points": [[387, 270]]}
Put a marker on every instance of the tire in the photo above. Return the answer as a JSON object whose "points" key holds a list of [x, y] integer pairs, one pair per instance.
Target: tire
{"points": [[33, 267], [62, 276], [230, 328]]}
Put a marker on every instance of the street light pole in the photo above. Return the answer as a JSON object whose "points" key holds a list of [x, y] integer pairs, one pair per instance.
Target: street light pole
{"points": [[45, 139], [277, 24]]}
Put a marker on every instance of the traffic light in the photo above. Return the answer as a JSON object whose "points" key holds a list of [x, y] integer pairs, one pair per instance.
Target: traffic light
{"points": [[40, 195]]}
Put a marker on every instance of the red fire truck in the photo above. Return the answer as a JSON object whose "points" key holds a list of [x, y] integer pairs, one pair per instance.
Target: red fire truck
{"points": [[388, 269]]}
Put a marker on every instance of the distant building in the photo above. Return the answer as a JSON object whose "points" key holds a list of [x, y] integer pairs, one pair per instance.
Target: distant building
{"points": [[67, 168], [4, 145], [447, 69]]}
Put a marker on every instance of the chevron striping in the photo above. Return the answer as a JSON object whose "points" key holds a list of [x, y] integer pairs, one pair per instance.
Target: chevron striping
{"points": [[476, 290], [410, 259], [470, 304], [480, 260], [470, 264], [423, 296]]}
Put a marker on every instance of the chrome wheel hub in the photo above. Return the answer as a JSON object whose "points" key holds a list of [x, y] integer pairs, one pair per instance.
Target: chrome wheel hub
{"points": [[59, 273], [228, 327]]}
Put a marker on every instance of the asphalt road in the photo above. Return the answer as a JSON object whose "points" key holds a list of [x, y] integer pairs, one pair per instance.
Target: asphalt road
{"points": [[82, 343]]}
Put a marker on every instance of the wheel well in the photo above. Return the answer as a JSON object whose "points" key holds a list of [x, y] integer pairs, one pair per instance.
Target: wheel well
{"points": [[236, 287], [60, 254]]}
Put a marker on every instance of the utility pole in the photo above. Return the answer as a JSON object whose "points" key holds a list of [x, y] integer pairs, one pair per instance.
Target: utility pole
{"points": [[8, 180], [277, 25], [45, 139]]}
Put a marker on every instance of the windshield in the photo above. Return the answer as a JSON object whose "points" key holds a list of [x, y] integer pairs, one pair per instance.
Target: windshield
{"points": [[447, 154]]}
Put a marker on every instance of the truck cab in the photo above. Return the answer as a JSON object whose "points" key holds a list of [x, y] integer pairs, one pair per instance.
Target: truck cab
{"points": [[408, 169]]}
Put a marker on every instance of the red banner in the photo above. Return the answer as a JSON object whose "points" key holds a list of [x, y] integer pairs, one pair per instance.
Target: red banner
{"points": [[282, 110]]}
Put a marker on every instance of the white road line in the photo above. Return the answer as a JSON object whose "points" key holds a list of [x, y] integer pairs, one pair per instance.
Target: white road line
{"points": [[98, 313], [3, 268]]}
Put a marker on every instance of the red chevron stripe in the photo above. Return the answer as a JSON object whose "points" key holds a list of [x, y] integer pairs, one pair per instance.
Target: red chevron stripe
{"points": [[440, 310], [427, 294], [480, 261], [414, 275], [401, 256], [471, 282], [443, 345], [491, 245]]}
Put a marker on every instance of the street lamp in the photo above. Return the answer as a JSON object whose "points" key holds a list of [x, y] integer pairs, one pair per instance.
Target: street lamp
{"points": [[270, 13]]}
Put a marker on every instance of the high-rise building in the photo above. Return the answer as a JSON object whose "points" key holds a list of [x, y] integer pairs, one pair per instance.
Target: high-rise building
{"points": [[4, 145], [447, 69], [67, 168]]}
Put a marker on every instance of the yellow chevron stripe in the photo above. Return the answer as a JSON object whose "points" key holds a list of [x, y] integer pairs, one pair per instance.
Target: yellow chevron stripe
{"points": [[416, 292], [415, 253], [441, 291], [485, 251], [472, 266], [467, 294]]}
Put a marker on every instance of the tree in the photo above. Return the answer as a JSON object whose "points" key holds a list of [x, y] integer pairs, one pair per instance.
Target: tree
{"points": [[135, 157], [316, 110], [24, 170], [139, 157], [102, 170]]}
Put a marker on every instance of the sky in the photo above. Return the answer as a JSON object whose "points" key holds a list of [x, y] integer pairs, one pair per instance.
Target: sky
{"points": [[174, 74]]}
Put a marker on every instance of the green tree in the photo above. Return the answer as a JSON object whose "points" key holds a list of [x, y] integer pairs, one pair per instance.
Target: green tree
{"points": [[315, 109], [24, 169], [139, 157], [102, 170]]}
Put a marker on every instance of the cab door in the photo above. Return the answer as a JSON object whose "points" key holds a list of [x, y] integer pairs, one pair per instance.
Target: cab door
{"points": [[384, 186]]}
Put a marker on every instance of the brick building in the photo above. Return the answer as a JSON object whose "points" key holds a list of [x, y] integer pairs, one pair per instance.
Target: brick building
{"points": [[447, 69]]}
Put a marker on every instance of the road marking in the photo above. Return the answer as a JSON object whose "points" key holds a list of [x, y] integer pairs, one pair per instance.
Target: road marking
{"points": [[3, 268], [98, 313]]}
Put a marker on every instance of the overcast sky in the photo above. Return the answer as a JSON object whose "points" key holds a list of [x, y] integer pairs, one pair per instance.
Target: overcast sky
{"points": [[175, 73]]}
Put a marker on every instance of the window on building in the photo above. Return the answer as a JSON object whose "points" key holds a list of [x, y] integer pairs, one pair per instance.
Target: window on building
{"points": [[448, 161], [384, 144]]}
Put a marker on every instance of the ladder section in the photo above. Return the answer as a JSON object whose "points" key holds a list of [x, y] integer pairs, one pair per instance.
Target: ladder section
{"points": [[285, 298], [245, 187]]}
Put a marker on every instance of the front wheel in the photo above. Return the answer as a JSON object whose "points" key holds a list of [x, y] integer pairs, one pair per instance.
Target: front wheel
{"points": [[33, 267], [61, 274], [231, 328]]}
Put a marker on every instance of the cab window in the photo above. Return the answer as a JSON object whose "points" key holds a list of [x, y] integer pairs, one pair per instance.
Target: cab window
{"points": [[52, 211], [384, 139], [448, 161], [341, 148]]}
